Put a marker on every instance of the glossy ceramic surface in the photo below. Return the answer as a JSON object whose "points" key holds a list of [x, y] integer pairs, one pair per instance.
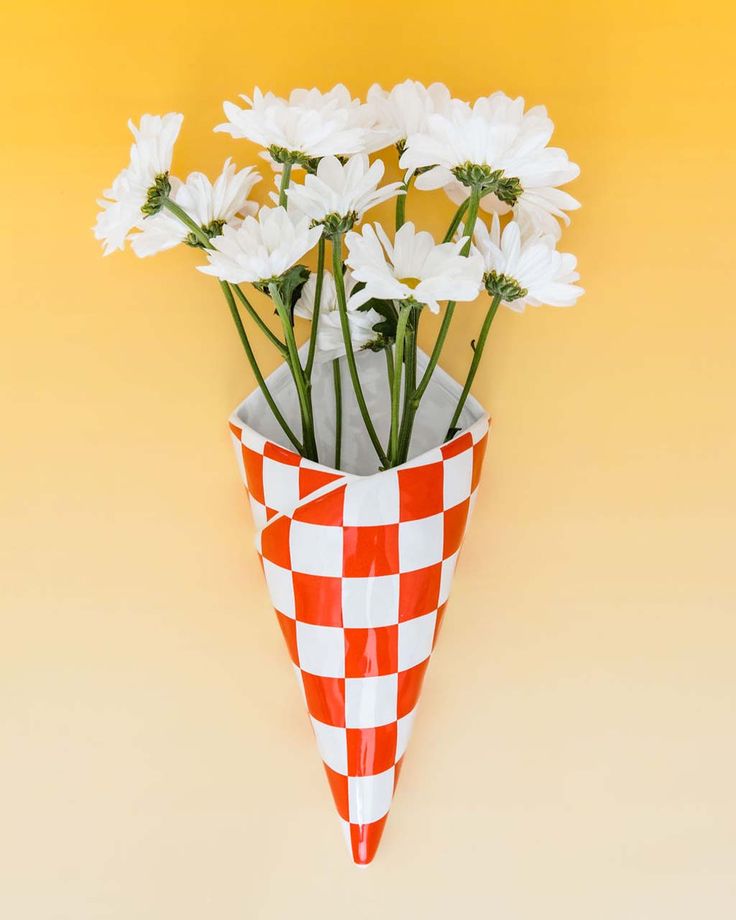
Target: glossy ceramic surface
{"points": [[359, 570]]}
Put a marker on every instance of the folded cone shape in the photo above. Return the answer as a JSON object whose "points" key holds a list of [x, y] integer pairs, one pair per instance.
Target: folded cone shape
{"points": [[359, 565]]}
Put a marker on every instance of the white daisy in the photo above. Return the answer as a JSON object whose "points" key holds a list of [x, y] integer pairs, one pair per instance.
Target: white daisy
{"points": [[342, 193], [141, 183], [413, 266], [403, 110], [260, 249], [330, 341], [308, 125], [525, 271], [210, 205], [496, 134]]}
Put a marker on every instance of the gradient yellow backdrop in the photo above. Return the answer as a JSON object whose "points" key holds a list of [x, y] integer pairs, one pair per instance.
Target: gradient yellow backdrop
{"points": [[574, 757]]}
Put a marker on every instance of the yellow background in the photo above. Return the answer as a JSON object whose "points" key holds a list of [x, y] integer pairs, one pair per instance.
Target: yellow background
{"points": [[574, 757]]}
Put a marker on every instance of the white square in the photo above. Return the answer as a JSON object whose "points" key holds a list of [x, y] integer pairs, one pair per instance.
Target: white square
{"points": [[370, 602], [345, 828], [371, 701], [280, 485], [316, 549], [415, 640], [321, 649], [369, 797], [280, 588], [373, 501], [300, 681], [258, 513], [431, 456], [252, 439], [421, 542], [239, 457], [403, 733], [446, 576], [458, 476], [333, 745]]}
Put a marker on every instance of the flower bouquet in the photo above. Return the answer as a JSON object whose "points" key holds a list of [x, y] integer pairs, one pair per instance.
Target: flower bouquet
{"points": [[361, 458]]}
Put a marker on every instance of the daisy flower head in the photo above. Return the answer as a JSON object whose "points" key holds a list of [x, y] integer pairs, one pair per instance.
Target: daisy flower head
{"points": [[525, 270], [261, 249], [302, 128], [338, 194], [502, 150], [330, 340], [138, 190], [211, 205], [411, 267], [403, 110]]}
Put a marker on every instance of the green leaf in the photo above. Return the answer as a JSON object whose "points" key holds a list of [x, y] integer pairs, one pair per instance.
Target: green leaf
{"points": [[385, 308], [290, 286]]}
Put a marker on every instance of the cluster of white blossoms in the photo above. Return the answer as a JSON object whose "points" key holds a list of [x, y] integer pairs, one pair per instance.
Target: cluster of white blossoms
{"points": [[492, 157]]}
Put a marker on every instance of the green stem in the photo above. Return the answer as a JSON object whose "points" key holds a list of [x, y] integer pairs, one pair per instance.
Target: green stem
{"points": [[190, 224], [410, 357], [337, 381], [447, 319], [315, 312], [285, 179], [407, 421], [349, 353], [477, 355], [389, 366], [227, 290], [259, 321], [297, 373], [459, 214], [401, 202], [256, 370], [393, 442], [471, 206]]}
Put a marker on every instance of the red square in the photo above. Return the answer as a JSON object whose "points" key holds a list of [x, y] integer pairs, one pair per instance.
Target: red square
{"points": [[371, 750], [288, 628], [438, 623], [364, 840], [479, 452], [339, 786], [328, 509], [318, 599], [235, 430], [410, 686], [370, 652], [370, 551], [310, 480], [253, 463], [455, 520], [420, 491], [281, 454], [275, 541], [457, 446], [325, 698], [419, 591]]}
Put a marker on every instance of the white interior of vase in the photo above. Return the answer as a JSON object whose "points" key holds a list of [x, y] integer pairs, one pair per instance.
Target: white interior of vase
{"points": [[358, 455]]}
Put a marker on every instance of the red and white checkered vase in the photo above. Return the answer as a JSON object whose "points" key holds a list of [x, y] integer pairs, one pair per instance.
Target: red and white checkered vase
{"points": [[359, 569]]}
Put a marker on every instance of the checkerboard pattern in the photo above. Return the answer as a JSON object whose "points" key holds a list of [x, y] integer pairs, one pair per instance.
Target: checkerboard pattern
{"points": [[359, 570]]}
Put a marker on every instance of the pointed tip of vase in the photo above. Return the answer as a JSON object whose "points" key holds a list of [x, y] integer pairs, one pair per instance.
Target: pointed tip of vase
{"points": [[364, 840]]}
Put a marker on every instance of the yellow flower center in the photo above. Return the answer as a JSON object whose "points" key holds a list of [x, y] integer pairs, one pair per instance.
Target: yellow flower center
{"points": [[411, 282]]}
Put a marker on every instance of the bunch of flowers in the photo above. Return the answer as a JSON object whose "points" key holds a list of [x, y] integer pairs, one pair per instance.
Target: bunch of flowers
{"points": [[491, 158]]}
